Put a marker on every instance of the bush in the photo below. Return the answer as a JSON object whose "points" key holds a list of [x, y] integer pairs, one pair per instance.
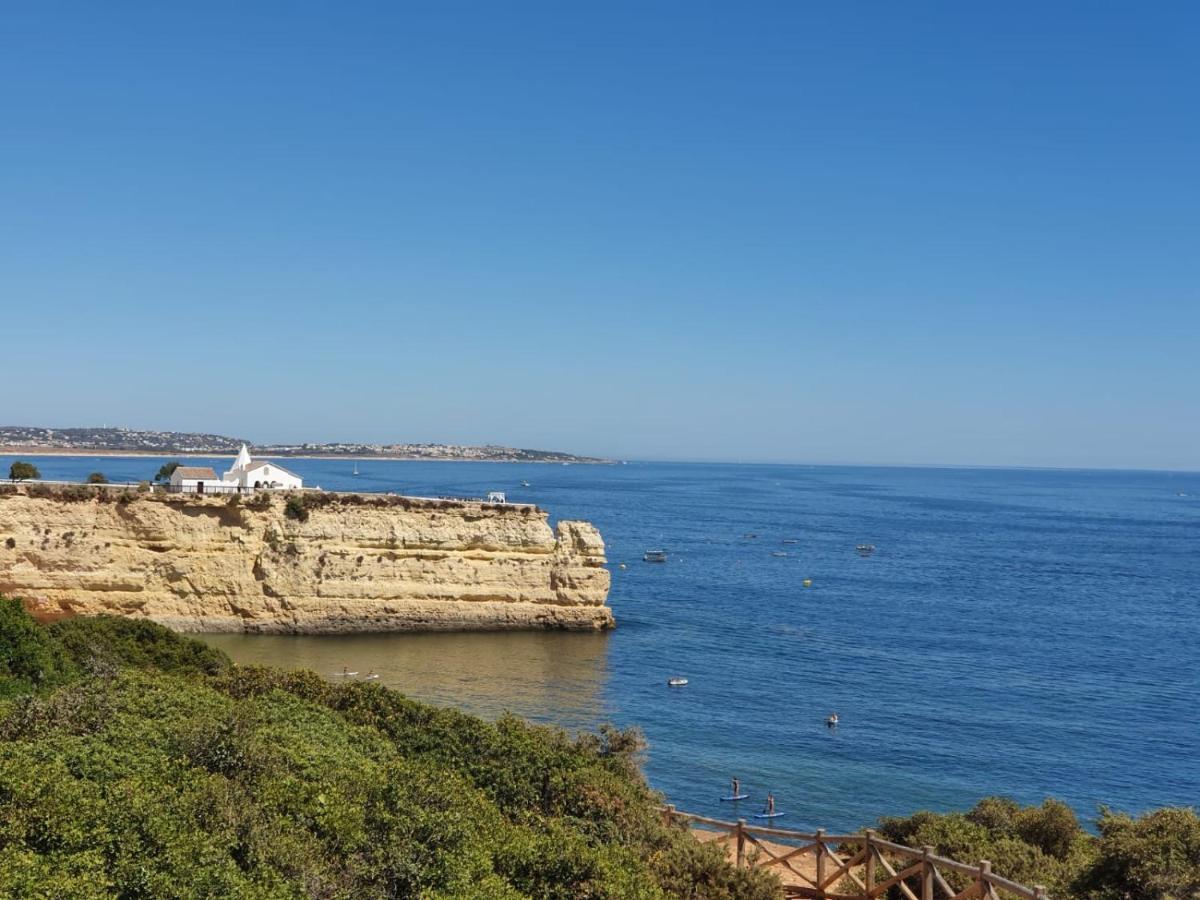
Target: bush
{"points": [[296, 508], [166, 471], [21, 471], [1156, 857], [30, 659], [260, 502], [97, 478], [114, 641]]}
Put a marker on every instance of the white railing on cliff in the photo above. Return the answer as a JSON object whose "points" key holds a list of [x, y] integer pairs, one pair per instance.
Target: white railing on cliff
{"points": [[864, 864]]}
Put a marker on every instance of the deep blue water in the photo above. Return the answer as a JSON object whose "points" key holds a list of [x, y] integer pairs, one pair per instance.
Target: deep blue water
{"points": [[1021, 632]]}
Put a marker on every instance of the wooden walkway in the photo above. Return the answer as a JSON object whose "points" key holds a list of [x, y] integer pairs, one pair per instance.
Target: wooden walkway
{"points": [[863, 866]]}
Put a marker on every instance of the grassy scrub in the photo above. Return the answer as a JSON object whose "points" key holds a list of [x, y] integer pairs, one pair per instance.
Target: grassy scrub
{"points": [[138, 763], [1154, 857]]}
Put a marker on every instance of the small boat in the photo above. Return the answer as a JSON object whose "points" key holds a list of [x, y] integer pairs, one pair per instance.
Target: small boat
{"points": [[348, 674], [749, 535], [791, 540], [677, 682], [736, 797], [832, 720], [655, 556], [371, 676], [865, 549], [621, 566], [778, 553], [524, 483]]}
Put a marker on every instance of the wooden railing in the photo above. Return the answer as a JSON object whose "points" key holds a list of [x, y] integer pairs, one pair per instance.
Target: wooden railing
{"points": [[864, 864]]}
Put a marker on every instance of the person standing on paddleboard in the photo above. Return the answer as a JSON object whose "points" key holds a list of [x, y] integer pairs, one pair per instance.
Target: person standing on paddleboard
{"points": [[770, 810], [737, 788]]}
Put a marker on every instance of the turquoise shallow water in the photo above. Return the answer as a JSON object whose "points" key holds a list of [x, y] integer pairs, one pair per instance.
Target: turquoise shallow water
{"points": [[1017, 632]]}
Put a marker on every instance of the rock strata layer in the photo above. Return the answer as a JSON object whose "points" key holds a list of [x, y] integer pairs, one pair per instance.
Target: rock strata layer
{"points": [[303, 563]]}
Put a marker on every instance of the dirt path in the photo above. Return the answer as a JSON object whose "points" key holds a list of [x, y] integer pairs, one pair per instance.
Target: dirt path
{"points": [[805, 863]]}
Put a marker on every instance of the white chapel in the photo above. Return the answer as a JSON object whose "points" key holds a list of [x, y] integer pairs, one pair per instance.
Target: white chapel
{"points": [[266, 474]]}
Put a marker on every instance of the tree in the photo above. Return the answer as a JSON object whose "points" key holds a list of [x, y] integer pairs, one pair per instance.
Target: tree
{"points": [[164, 474], [1155, 857], [97, 478], [19, 471]]}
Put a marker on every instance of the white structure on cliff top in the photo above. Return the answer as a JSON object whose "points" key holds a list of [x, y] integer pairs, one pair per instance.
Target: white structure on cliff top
{"points": [[249, 474], [194, 479]]}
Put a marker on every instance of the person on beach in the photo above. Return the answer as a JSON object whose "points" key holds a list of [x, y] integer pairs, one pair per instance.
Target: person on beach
{"points": [[737, 788]]}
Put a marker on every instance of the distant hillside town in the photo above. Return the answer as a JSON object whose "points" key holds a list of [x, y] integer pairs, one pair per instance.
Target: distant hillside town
{"points": [[25, 439]]}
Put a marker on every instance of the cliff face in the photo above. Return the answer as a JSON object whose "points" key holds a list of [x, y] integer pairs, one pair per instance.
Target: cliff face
{"points": [[338, 563]]}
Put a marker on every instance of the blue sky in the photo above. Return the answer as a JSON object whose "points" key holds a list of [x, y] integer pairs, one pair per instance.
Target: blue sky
{"points": [[868, 232]]}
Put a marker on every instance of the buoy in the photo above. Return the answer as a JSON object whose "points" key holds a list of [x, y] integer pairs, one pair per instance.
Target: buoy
{"points": [[807, 582]]}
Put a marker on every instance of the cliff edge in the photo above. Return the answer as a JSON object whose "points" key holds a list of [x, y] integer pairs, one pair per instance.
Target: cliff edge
{"points": [[306, 562]]}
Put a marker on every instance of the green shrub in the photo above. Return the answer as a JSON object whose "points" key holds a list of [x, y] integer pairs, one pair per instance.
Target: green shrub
{"points": [[21, 471], [97, 478], [29, 657], [296, 508], [110, 641], [1155, 857], [260, 501], [166, 470]]}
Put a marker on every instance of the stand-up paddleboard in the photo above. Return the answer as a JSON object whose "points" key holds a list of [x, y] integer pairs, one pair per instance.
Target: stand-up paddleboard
{"points": [[738, 797], [774, 815]]}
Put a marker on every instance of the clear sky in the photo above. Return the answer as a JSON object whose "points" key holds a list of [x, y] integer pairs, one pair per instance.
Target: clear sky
{"points": [[813, 232]]}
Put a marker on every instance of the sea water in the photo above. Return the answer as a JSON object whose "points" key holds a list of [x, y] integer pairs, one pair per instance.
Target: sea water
{"points": [[1016, 632]]}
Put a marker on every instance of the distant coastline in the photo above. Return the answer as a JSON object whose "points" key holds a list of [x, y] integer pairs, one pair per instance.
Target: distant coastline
{"points": [[360, 457], [128, 442]]}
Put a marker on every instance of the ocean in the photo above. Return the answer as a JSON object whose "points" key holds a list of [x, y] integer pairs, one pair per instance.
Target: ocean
{"points": [[1029, 633]]}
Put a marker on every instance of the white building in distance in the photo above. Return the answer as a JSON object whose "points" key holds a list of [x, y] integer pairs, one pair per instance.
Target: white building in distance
{"points": [[246, 475], [249, 474], [194, 479]]}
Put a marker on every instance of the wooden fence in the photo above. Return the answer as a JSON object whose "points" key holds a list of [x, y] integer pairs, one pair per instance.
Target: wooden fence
{"points": [[864, 864]]}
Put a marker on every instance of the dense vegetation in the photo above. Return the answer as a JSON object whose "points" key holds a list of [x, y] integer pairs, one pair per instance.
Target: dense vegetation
{"points": [[1154, 857], [138, 763]]}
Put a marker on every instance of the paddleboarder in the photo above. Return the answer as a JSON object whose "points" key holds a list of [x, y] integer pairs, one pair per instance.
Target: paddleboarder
{"points": [[737, 788], [770, 808]]}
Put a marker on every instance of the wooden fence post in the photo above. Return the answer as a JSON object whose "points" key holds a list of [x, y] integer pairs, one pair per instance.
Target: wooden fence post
{"points": [[669, 814], [926, 873], [985, 886], [869, 875], [741, 842], [821, 860]]}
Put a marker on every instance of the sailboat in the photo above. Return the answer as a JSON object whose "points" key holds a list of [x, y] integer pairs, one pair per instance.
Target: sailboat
{"points": [[355, 472]]}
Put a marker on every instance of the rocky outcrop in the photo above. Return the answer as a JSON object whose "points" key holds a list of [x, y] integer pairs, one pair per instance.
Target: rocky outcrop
{"points": [[303, 563]]}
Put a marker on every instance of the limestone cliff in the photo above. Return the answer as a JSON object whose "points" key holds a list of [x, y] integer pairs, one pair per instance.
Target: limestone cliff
{"points": [[311, 562]]}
